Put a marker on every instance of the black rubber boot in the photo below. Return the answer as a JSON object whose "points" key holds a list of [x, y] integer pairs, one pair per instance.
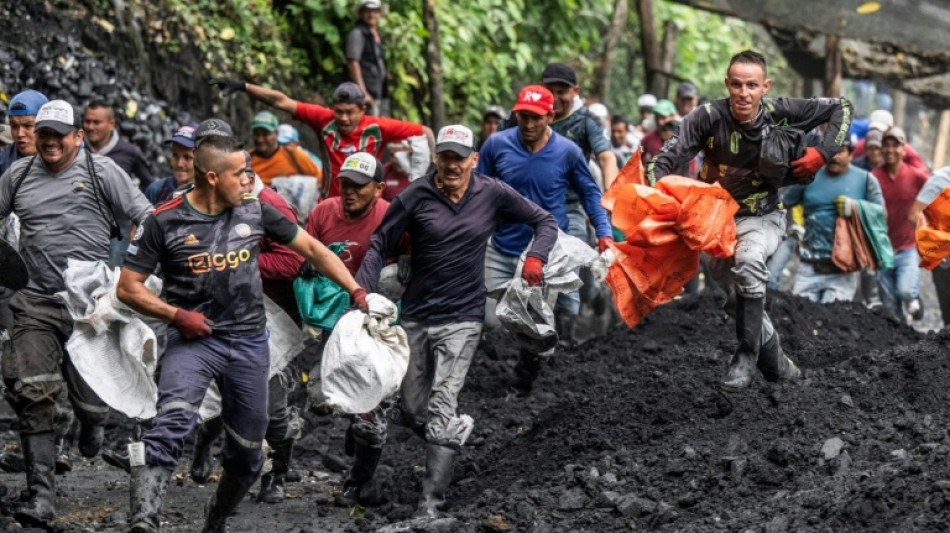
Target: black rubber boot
{"points": [[39, 454], [226, 499], [90, 439], [749, 313], [526, 371], [773, 363], [272, 484], [439, 460], [205, 435], [564, 325], [361, 486], [146, 496]]}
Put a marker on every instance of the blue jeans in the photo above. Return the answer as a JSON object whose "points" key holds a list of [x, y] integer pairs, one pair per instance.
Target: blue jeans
{"points": [[779, 259], [239, 365], [900, 284], [824, 288]]}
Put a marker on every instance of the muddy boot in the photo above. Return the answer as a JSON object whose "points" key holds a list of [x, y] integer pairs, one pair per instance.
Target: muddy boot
{"points": [[439, 461], [272, 484], [564, 325], [201, 463], [146, 496], [749, 313], [39, 454], [90, 439], [526, 371], [225, 500], [361, 485], [774, 364], [118, 459]]}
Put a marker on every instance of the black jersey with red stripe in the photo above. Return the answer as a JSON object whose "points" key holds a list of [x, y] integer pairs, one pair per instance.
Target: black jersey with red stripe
{"points": [[209, 262]]}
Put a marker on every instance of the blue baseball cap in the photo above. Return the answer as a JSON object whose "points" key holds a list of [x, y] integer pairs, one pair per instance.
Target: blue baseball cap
{"points": [[27, 103], [184, 135], [287, 134]]}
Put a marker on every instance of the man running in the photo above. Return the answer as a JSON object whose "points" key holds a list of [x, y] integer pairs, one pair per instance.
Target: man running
{"points": [[729, 130]]}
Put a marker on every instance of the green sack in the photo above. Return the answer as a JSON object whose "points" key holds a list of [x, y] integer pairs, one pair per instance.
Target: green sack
{"points": [[320, 301]]}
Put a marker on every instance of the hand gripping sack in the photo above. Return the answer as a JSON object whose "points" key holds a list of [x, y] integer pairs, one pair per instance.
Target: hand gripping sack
{"points": [[365, 358], [320, 301]]}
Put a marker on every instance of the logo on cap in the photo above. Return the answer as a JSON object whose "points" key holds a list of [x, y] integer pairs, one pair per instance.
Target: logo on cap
{"points": [[532, 96]]}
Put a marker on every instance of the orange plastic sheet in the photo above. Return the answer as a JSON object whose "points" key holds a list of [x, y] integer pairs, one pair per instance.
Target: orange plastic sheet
{"points": [[933, 231], [666, 228]]}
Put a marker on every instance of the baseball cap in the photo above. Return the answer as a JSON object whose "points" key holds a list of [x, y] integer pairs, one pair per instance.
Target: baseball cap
{"points": [[664, 108], [895, 133], [361, 168], [559, 73], [58, 116], [287, 134], [599, 110], [496, 110], [212, 127], [184, 135], [880, 120], [646, 100], [349, 93], [265, 120], [6, 135], [687, 90], [27, 103], [455, 138], [535, 99], [369, 4], [874, 138]]}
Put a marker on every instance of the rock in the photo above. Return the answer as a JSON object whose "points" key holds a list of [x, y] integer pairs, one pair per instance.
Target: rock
{"points": [[334, 463], [831, 448], [495, 524], [780, 452], [899, 454], [779, 524], [572, 500], [846, 400], [633, 506], [607, 499]]}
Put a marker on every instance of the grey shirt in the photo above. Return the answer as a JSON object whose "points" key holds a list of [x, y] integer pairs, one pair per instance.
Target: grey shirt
{"points": [[61, 219], [938, 181]]}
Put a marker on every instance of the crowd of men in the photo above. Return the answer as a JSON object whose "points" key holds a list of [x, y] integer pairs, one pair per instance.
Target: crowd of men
{"points": [[487, 209]]}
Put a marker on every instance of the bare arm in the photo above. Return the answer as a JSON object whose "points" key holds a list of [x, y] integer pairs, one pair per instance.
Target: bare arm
{"points": [[608, 165], [132, 292], [272, 97], [356, 75], [323, 260], [915, 212]]}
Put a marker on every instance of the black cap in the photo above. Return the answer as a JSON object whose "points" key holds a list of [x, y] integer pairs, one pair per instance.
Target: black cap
{"points": [[559, 73], [349, 93], [687, 90], [213, 127]]}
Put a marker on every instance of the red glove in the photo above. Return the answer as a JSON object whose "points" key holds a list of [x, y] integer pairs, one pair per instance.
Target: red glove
{"points": [[358, 296], [810, 163], [532, 271], [191, 324], [603, 242]]}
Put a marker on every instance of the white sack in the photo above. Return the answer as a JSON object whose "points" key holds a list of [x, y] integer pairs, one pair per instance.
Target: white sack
{"points": [[301, 193]]}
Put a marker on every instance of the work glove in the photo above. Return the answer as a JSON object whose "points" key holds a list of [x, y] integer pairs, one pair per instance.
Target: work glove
{"points": [[603, 243], [806, 166], [843, 205], [228, 86], [358, 297], [191, 324], [533, 271]]}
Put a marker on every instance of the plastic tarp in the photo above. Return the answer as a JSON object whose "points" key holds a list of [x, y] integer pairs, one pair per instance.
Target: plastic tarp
{"points": [[365, 358], [933, 231], [666, 229], [320, 301], [301, 193]]}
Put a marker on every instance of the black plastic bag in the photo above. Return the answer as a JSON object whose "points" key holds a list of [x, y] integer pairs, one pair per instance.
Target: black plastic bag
{"points": [[780, 146]]}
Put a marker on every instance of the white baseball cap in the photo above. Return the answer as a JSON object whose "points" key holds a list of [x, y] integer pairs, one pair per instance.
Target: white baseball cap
{"points": [[880, 120], [599, 110], [58, 116], [361, 168], [646, 100], [455, 138]]}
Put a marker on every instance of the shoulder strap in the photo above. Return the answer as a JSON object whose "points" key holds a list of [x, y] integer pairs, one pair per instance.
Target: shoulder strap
{"points": [[19, 179], [113, 225], [293, 158]]}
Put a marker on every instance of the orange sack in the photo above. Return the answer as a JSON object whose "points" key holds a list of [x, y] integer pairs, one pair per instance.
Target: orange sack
{"points": [[666, 228], [933, 231]]}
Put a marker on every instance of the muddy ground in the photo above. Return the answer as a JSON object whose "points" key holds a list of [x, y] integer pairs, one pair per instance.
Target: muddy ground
{"points": [[628, 433]]}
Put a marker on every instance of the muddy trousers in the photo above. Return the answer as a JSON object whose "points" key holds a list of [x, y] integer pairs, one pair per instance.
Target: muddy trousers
{"points": [[746, 273], [239, 364], [38, 365]]}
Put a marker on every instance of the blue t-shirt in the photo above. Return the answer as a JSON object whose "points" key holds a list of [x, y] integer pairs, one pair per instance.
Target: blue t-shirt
{"points": [[821, 213], [544, 178]]}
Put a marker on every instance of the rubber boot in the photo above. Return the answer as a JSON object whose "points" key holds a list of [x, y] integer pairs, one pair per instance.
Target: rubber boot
{"points": [[146, 496], [90, 439], [773, 362], [526, 371], [749, 313], [205, 435], [39, 454], [272, 484], [361, 486], [118, 459], [229, 495], [439, 460], [564, 325]]}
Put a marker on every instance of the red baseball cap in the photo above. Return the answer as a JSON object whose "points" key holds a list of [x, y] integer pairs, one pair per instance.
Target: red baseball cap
{"points": [[535, 99]]}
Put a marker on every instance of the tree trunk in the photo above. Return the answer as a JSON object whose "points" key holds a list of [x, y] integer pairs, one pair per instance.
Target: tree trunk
{"points": [[434, 62], [832, 80], [943, 137], [601, 88], [899, 108], [651, 48], [668, 57]]}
